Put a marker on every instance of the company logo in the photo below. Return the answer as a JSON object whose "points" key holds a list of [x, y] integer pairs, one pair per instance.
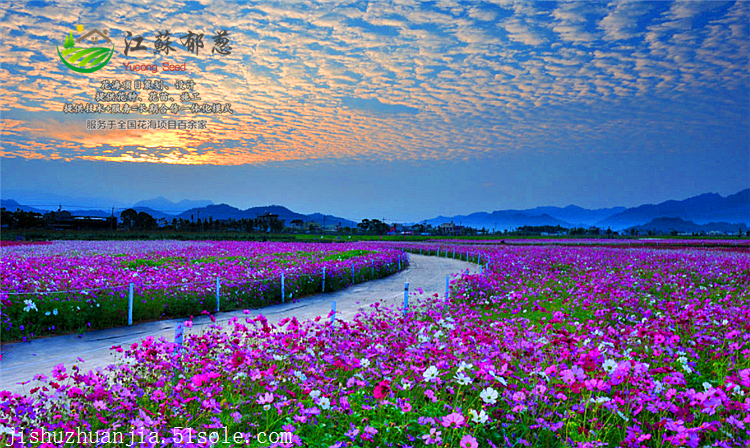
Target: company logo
{"points": [[86, 54]]}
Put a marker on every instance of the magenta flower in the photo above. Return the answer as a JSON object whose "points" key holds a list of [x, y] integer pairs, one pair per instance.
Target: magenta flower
{"points": [[454, 418], [468, 441]]}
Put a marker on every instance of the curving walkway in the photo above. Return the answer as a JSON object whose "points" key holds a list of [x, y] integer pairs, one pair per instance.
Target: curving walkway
{"points": [[22, 361]]}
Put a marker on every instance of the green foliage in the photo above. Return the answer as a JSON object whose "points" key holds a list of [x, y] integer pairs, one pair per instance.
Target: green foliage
{"points": [[341, 256], [69, 42]]}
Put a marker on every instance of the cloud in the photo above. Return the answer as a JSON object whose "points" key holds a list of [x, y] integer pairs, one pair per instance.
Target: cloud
{"points": [[376, 106], [400, 81]]}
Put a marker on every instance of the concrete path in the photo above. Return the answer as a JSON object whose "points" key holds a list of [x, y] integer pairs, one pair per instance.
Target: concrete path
{"points": [[22, 361]]}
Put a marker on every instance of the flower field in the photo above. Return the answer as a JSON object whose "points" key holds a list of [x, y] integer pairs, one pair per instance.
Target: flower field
{"points": [[74, 286], [548, 347]]}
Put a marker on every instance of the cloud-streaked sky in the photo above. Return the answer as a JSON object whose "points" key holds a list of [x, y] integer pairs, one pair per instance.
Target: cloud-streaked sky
{"points": [[466, 106]]}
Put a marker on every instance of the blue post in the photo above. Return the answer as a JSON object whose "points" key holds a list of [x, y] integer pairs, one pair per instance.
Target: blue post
{"points": [[438, 253], [454, 252], [130, 304], [372, 263], [352, 274], [399, 263], [324, 280], [333, 311], [447, 286], [178, 334], [218, 288], [406, 297], [479, 259], [282, 287]]}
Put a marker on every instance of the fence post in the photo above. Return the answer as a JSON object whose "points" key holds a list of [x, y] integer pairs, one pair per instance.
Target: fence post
{"points": [[454, 252], [447, 286], [406, 297], [372, 264], [438, 253], [324, 280], [399, 263], [352, 274], [282, 288], [218, 289], [178, 334], [333, 312], [130, 304], [479, 259]]}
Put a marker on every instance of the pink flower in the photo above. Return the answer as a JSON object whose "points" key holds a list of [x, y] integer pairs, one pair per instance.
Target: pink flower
{"points": [[58, 372], [468, 441], [406, 407], [382, 390], [453, 419], [431, 395], [265, 398]]}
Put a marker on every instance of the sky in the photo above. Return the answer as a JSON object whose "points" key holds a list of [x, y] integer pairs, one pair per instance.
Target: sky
{"points": [[399, 110]]}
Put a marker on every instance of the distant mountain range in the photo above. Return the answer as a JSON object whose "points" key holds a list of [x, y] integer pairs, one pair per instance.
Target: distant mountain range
{"points": [[705, 212], [224, 211], [710, 209], [703, 209], [215, 211], [570, 216], [666, 225], [165, 205]]}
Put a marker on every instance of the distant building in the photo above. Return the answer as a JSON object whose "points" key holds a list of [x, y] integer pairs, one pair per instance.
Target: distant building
{"points": [[447, 228], [63, 219], [269, 221], [312, 226]]}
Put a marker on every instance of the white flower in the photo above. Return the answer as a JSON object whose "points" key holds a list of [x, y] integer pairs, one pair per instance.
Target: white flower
{"points": [[488, 395], [278, 357], [682, 360], [300, 376], [47, 313], [601, 400], [609, 365], [324, 403], [30, 305], [658, 386], [706, 385], [315, 394], [462, 379], [430, 374], [364, 362], [465, 366], [54, 311], [266, 407], [406, 384], [478, 417]]}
